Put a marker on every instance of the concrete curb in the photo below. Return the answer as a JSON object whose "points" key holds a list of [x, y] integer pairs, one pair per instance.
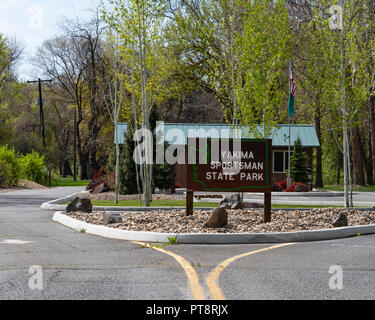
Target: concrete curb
{"points": [[55, 205], [207, 238]]}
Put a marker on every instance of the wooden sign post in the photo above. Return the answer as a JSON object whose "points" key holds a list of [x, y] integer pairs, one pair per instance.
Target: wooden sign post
{"points": [[230, 170], [267, 207], [189, 202]]}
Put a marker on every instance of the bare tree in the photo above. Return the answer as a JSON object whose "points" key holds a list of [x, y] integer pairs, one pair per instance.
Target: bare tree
{"points": [[74, 60], [114, 95]]}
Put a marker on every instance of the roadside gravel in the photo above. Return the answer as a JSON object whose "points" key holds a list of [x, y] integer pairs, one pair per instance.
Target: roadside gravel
{"points": [[249, 221]]}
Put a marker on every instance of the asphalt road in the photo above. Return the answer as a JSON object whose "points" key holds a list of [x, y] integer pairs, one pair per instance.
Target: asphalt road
{"points": [[82, 266], [360, 199]]}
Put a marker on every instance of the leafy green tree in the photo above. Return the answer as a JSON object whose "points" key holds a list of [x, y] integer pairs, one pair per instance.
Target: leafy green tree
{"points": [[264, 54], [298, 163], [137, 23], [201, 43]]}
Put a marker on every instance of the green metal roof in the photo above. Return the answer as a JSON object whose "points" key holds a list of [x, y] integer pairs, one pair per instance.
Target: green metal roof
{"points": [[177, 133]]}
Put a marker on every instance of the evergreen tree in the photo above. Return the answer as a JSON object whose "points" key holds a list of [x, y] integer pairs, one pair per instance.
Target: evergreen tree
{"points": [[127, 174], [298, 164], [161, 173]]}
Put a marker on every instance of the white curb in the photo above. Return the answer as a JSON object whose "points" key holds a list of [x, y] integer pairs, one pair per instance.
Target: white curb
{"points": [[54, 205], [213, 238]]}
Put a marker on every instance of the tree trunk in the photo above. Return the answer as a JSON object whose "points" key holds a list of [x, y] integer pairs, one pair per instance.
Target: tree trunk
{"points": [[318, 170], [370, 167], [84, 163], [372, 133], [67, 170], [365, 165], [358, 176]]}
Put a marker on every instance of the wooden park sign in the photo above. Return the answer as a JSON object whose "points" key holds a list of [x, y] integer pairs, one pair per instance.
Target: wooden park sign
{"points": [[228, 165]]}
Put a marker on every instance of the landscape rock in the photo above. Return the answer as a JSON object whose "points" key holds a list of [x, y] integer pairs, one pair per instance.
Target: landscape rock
{"points": [[80, 205], [232, 202], [111, 218], [340, 221], [218, 219]]}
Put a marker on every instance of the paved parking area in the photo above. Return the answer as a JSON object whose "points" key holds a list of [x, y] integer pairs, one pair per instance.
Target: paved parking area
{"points": [[81, 266]]}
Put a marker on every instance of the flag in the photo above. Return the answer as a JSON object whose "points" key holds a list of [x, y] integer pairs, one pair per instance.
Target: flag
{"points": [[292, 91]]}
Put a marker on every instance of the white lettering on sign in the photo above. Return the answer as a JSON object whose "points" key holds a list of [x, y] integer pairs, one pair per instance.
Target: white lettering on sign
{"points": [[251, 176], [259, 166], [219, 176], [237, 154]]}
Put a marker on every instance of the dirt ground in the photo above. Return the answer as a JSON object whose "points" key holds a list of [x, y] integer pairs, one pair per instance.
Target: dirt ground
{"points": [[23, 185]]}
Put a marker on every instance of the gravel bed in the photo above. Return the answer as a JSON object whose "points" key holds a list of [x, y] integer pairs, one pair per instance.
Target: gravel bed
{"points": [[249, 221]]}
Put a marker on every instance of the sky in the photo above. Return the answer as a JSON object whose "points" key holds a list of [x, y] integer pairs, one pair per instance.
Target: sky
{"points": [[33, 21]]}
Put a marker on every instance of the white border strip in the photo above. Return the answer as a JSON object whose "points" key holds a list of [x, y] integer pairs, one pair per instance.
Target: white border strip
{"points": [[213, 238]]}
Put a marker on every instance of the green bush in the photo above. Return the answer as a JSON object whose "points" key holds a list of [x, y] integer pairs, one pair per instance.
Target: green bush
{"points": [[33, 167], [5, 168], [10, 169]]}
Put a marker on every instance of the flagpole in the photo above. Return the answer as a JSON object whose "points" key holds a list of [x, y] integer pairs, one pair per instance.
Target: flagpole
{"points": [[289, 180]]}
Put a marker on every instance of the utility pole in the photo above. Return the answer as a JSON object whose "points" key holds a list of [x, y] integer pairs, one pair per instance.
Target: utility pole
{"points": [[42, 130]]}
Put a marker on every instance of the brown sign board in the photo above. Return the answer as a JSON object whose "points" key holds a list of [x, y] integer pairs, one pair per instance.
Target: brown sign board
{"points": [[221, 165]]}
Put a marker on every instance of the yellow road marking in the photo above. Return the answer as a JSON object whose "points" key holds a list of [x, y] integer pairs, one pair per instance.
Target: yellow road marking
{"points": [[212, 278], [191, 274]]}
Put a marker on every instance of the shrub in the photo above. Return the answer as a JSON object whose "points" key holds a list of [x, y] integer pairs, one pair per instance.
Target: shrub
{"points": [[298, 187], [5, 168], [111, 180], [282, 185], [33, 167], [98, 178], [276, 188], [10, 169]]}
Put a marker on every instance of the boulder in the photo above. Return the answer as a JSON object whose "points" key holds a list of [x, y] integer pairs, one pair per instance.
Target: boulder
{"points": [[232, 202], [109, 218], [218, 219], [80, 205], [341, 220]]}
